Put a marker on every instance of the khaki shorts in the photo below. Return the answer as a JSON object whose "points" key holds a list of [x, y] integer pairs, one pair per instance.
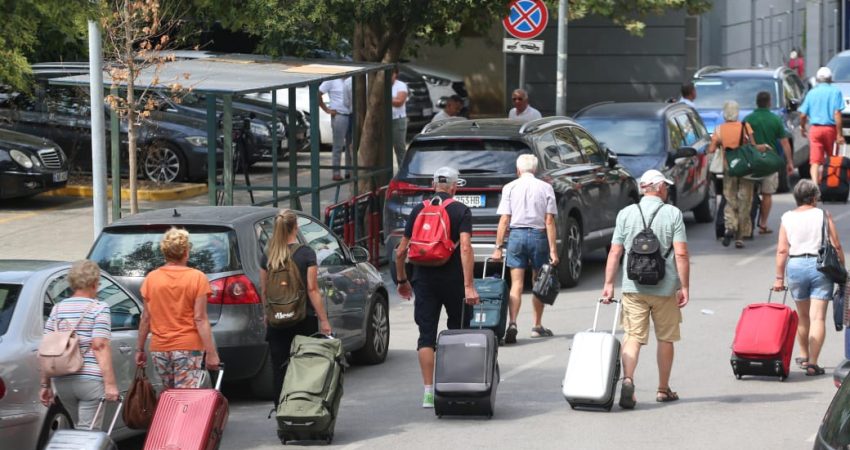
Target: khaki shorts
{"points": [[664, 311], [770, 183]]}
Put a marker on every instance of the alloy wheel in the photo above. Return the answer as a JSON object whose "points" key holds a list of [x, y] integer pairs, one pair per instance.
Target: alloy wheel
{"points": [[162, 164], [381, 328], [574, 251]]}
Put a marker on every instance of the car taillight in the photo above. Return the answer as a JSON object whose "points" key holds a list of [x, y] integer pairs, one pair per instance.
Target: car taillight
{"points": [[404, 188], [233, 290], [2, 389]]}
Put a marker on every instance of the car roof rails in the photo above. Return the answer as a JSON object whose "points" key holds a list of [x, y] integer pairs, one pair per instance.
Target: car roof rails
{"points": [[433, 126], [591, 106], [706, 70], [537, 124]]}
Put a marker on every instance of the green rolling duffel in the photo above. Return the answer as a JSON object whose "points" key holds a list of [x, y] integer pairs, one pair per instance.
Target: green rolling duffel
{"points": [[311, 391]]}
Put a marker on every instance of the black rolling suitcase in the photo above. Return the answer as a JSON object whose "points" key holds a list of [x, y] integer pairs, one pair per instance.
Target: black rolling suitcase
{"points": [[466, 375]]}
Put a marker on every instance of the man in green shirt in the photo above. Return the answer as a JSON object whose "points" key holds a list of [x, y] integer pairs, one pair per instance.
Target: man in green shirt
{"points": [[767, 131]]}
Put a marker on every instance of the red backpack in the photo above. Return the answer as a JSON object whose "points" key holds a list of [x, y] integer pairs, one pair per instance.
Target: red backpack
{"points": [[430, 242]]}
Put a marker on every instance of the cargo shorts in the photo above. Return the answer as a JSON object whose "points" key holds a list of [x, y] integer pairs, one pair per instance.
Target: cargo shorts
{"points": [[663, 310]]}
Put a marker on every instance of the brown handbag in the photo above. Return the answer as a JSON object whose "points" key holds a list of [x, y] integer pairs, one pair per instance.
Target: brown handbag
{"points": [[59, 351], [141, 402]]}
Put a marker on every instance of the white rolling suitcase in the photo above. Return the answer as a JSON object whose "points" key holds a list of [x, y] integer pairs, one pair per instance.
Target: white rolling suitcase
{"points": [[594, 366]]}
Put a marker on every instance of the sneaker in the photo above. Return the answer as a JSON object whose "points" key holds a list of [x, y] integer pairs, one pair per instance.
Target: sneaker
{"points": [[538, 332], [428, 400], [510, 335], [727, 237]]}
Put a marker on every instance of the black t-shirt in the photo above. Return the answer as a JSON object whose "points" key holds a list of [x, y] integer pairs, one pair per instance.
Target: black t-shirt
{"points": [[303, 258], [460, 218]]}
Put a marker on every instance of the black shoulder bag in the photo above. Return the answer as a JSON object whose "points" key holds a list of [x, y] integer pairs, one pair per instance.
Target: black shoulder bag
{"points": [[828, 262]]}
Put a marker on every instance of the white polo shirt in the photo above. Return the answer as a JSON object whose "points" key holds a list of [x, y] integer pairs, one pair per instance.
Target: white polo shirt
{"points": [[527, 115], [400, 112], [339, 94]]}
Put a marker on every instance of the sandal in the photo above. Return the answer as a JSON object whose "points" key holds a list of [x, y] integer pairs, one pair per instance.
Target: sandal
{"points": [[510, 335], [627, 394], [739, 244], [539, 332], [764, 230], [813, 370], [666, 395], [801, 362]]}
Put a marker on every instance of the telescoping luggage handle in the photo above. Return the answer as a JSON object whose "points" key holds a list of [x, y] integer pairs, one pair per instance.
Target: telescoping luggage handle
{"points": [[487, 261], [218, 380], [616, 314], [784, 294], [114, 418]]}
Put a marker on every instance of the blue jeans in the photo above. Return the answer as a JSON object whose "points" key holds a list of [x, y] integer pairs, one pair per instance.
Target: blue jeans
{"points": [[804, 280], [527, 248]]}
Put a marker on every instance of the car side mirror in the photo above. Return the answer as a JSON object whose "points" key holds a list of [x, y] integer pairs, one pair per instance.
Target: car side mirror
{"points": [[685, 152], [612, 158], [359, 254], [793, 105]]}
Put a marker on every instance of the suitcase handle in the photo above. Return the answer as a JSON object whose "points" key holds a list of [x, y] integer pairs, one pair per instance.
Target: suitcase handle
{"points": [[218, 380], [616, 314], [487, 261], [114, 418], [784, 295]]}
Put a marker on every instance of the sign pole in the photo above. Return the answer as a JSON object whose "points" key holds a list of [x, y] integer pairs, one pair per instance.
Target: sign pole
{"points": [[526, 19], [522, 71], [561, 71]]}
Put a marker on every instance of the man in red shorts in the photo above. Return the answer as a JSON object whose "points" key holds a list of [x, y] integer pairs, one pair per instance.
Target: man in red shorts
{"points": [[823, 106]]}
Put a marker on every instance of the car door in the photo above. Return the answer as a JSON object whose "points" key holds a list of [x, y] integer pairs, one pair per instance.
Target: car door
{"points": [[687, 193], [608, 195], [562, 153], [125, 312], [345, 297]]}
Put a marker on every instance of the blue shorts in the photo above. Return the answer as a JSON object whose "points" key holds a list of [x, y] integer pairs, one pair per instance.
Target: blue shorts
{"points": [[527, 248], [804, 280]]}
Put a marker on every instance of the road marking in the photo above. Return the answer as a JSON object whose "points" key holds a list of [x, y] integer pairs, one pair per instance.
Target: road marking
{"points": [[518, 370], [15, 217], [20, 216]]}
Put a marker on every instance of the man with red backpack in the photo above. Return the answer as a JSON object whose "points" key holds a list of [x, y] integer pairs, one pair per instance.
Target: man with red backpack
{"points": [[438, 243]]}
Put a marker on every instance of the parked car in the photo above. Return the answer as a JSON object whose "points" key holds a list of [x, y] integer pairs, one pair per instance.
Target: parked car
{"points": [[28, 291], [171, 146], [669, 137], [840, 66], [30, 165], [226, 245], [715, 85], [834, 431], [590, 186]]}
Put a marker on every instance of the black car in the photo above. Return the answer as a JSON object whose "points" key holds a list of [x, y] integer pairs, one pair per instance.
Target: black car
{"points": [[590, 186], [30, 165], [715, 85], [171, 146], [669, 137], [834, 431], [227, 242]]}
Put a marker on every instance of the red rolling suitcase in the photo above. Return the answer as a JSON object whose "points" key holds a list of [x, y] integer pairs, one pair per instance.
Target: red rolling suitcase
{"points": [[764, 340], [189, 419]]}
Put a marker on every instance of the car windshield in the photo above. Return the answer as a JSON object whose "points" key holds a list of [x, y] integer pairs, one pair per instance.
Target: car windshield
{"points": [[713, 92], [627, 136], [835, 430], [468, 156], [8, 298], [134, 252], [840, 66]]}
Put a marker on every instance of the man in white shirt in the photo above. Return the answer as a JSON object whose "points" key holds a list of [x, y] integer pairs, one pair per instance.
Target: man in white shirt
{"points": [[522, 110], [689, 94], [399, 101], [339, 108]]}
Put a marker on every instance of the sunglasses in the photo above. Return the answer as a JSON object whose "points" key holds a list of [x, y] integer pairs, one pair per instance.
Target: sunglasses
{"points": [[517, 99]]}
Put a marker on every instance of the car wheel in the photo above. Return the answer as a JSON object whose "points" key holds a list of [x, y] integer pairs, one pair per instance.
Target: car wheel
{"points": [[570, 265], [704, 212], [377, 344], [57, 419], [163, 164], [261, 383]]}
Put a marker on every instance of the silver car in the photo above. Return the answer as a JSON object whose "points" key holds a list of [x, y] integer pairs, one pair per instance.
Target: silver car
{"points": [[28, 291]]}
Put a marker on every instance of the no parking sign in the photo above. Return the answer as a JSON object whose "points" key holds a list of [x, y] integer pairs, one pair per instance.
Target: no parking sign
{"points": [[526, 19]]}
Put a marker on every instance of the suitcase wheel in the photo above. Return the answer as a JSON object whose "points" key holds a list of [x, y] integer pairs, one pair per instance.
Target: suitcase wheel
{"points": [[782, 378], [738, 376]]}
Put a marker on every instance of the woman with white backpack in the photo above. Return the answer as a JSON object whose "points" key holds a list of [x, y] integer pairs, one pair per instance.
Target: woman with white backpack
{"points": [[80, 383]]}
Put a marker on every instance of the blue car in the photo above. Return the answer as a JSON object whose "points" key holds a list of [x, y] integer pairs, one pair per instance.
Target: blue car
{"points": [[669, 137], [715, 85]]}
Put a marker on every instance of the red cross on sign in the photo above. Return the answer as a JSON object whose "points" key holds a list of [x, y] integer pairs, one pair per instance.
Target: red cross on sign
{"points": [[526, 19]]}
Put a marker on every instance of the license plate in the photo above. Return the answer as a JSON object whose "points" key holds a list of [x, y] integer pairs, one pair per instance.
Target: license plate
{"points": [[472, 201], [426, 111], [61, 176]]}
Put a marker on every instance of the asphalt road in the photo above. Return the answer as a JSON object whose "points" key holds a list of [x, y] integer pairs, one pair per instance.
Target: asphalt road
{"points": [[380, 408]]}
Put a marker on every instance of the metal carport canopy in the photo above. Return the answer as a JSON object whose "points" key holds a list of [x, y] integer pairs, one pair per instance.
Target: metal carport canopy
{"points": [[226, 75]]}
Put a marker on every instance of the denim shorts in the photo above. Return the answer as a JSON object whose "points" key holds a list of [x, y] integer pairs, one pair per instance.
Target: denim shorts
{"points": [[804, 280], [527, 248]]}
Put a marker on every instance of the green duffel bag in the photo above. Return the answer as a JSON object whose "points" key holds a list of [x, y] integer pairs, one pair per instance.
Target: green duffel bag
{"points": [[766, 163], [312, 389], [739, 159]]}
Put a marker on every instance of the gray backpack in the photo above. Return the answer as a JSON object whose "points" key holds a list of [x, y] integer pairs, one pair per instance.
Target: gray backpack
{"points": [[286, 295]]}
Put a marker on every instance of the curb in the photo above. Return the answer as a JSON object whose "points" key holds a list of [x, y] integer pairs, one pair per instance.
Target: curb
{"points": [[179, 192]]}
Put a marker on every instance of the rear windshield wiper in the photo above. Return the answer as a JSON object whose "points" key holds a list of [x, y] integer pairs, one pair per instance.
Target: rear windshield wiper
{"points": [[477, 171]]}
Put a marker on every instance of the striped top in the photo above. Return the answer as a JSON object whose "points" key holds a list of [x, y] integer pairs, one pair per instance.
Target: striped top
{"points": [[97, 323]]}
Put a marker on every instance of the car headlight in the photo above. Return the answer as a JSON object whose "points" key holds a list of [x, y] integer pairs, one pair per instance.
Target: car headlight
{"points": [[281, 130], [431, 79], [197, 141], [21, 158], [260, 130]]}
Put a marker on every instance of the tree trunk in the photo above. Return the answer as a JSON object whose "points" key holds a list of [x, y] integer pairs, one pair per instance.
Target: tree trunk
{"points": [[131, 109]]}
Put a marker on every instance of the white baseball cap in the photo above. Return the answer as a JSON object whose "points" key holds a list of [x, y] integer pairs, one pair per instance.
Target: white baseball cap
{"points": [[823, 74], [653, 177]]}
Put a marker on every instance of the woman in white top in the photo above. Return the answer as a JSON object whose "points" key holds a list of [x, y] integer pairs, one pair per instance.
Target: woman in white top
{"points": [[796, 259]]}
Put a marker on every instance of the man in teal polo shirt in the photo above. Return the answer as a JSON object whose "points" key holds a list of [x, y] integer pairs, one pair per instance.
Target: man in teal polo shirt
{"points": [[661, 302], [767, 131], [823, 106]]}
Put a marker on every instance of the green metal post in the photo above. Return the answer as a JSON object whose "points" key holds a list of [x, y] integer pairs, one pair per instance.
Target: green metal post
{"points": [[294, 198], [315, 181], [115, 144], [212, 138], [388, 121], [274, 147], [227, 126]]}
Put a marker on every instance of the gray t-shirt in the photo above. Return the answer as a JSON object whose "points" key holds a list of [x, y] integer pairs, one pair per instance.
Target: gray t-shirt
{"points": [[668, 226]]}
